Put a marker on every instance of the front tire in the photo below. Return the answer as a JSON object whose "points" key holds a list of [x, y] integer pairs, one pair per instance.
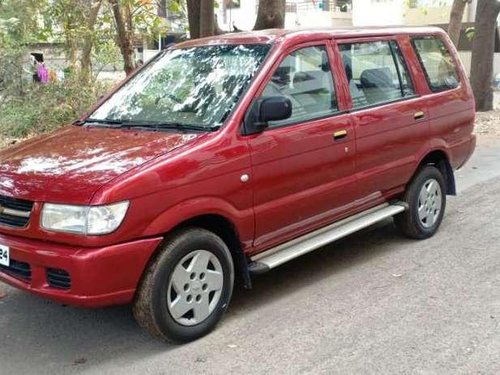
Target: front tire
{"points": [[426, 199], [187, 287]]}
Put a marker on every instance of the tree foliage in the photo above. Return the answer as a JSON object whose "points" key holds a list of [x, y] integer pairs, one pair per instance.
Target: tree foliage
{"points": [[82, 25], [26, 108], [134, 17], [18, 28]]}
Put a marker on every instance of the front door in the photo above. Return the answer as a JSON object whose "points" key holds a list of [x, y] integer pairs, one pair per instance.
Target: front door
{"points": [[302, 167]]}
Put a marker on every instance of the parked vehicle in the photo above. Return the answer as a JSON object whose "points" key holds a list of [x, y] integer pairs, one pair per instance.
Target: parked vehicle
{"points": [[229, 156]]}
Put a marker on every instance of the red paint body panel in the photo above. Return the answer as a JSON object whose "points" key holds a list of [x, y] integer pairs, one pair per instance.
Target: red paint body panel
{"points": [[302, 167], [388, 141], [300, 177], [69, 165], [99, 276]]}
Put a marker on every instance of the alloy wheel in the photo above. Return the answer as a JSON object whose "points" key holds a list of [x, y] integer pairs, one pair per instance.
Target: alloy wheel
{"points": [[429, 203], [195, 287]]}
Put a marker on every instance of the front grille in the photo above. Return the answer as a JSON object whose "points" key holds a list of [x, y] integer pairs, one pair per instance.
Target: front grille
{"points": [[59, 279], [18, 270], [15, 212]]}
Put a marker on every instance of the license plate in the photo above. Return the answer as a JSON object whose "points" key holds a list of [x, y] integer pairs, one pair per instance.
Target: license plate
{"points": [[4, 256]]}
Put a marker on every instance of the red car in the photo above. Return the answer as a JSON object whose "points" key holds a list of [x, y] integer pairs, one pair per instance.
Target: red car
{"points": [[228, 156]]}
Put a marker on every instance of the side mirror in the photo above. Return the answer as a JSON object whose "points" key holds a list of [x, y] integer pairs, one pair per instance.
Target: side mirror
{"points": [[263, 110]]}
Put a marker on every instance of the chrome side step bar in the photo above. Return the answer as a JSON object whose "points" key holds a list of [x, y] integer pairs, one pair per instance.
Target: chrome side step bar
{"points": [[283, 253]]}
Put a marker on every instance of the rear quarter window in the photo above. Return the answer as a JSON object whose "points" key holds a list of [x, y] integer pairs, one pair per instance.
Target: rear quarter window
{"points": [[437, 63]]}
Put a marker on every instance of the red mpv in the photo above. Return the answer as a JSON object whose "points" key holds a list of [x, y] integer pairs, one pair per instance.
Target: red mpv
{"points": [[225, 157]]}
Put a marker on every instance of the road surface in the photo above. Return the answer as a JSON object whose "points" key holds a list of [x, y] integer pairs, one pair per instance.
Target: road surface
{"points": [[372, 303]]}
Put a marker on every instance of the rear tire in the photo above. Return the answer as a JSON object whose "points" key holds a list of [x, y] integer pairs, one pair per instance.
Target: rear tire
{"points": [[426, 199], [187, 287]]}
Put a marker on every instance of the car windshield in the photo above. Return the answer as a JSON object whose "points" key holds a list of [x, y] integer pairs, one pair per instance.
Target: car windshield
{"points": [[190, 87]]}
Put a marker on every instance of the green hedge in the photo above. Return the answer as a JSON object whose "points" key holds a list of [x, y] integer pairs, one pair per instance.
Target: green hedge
{"points": [[42, 108]]}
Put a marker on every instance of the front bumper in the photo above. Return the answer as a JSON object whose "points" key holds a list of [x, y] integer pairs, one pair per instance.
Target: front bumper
{"points": [[98, 276]]}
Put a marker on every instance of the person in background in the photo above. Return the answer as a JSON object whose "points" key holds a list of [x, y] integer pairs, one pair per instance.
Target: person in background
{"points": [[42, 73]]}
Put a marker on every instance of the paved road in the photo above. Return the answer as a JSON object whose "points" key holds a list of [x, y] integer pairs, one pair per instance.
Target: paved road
{"points": [[372, 303]]}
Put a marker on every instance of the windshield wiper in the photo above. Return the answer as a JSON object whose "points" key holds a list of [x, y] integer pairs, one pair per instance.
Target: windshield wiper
{"points": [[103, 121], [169, 125], [129, 124], [177, 125]]}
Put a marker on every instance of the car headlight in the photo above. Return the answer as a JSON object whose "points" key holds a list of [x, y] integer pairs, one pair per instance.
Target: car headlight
{"points": [[90, 220]]}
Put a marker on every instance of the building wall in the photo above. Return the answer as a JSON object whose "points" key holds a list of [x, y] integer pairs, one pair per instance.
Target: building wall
{"points": [[378, 12], [432, 15], [307, 14], [428, 16], [317, 18], [242, 17], [53, 54], [364, 13]]}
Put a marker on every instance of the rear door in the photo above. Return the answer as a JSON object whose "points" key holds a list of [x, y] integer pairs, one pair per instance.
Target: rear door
{"points": [[303, 167], [390, 117], [449, 97]]}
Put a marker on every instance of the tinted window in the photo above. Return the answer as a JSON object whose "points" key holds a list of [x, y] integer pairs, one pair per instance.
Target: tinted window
{"points": [[437, 62], [305, 78], [376, 72]]}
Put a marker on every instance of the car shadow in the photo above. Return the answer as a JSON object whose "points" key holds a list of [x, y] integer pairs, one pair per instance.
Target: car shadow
{"points": [[69, 338], [310, 268]]}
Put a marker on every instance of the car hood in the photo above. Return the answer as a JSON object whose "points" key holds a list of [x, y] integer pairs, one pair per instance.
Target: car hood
{"points": [[69, 165]]}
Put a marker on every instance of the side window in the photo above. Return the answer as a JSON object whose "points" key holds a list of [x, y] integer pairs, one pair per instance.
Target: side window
{"points": [[305, 78], [439, 68], [376, 72]]}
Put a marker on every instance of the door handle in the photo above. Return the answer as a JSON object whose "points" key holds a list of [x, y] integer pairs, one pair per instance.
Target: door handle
{"points": [[419, 115], [339, 134]]}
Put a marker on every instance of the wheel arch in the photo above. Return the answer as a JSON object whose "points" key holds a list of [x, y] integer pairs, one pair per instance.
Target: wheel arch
{"points": [[227, 231], [440, 160], [224, 228]]}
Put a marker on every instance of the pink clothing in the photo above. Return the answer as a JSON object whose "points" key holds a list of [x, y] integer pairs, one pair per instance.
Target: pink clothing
{"points": [[43, 73]]}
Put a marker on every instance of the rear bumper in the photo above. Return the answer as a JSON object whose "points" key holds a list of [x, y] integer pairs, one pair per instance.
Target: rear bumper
{"points": [[473, 143], [98, 276], [462, 151]]}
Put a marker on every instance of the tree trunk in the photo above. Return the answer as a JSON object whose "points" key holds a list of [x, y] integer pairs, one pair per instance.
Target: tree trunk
{"points": [[124, 36], [483, 47], [88, 43], [193, 7], [162, 8], [271, 15], [71, 46], [206, 18], [456, 16]]}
